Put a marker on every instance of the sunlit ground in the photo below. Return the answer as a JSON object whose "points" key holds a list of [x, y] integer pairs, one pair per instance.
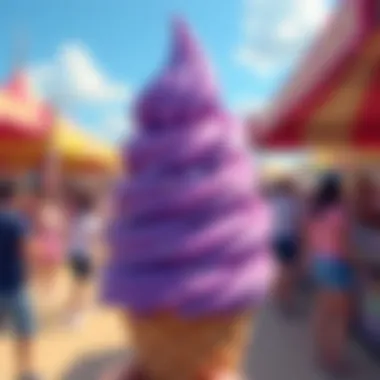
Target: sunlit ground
{"points": [[60, 347], [61, 350]]}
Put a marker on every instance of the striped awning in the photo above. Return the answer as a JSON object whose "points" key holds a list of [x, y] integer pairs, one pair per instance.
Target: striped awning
{"points": [[22, 115], [333, 98]]}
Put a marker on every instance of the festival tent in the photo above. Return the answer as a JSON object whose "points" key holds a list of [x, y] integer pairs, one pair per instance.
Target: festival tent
{"points": [[331, 104], [29, 130], [78, 151], [332, 100], [25, 122]]}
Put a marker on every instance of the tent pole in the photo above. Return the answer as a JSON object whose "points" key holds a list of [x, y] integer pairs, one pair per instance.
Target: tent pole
{"points": [[52, 166]]}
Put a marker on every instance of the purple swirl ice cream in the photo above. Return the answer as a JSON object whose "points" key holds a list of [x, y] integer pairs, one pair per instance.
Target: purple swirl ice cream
{"points": [[191, 231]]}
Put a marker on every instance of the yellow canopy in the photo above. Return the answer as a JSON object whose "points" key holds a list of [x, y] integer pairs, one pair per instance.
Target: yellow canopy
{"points": [[79, 150]]}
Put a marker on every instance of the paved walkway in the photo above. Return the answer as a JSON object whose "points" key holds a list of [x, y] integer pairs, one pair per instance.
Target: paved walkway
{"points": [[59, 347], [281, 350]]}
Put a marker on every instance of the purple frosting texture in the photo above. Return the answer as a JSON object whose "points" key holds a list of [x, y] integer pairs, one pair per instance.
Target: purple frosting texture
{"points": [[190, 231]]}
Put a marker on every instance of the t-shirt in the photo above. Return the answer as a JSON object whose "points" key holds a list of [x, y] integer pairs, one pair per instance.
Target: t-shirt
{"points": [[13, 229], [287, 215], [84, 232], [50, 233], [327, 233]]}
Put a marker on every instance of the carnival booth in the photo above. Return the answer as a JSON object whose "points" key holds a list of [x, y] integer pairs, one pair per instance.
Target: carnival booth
{"points": [[331, 106], [332, 99], [25, 124], [29, 130]]}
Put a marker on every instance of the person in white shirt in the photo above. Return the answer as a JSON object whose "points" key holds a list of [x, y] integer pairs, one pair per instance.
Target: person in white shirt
{"points": [[287, 218], [83, 240]]}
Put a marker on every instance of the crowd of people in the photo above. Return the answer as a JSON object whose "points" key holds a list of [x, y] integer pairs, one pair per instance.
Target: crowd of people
{"points": [[328, 234], [39, 234]]}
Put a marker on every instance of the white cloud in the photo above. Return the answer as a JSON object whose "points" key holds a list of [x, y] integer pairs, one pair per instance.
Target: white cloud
{"points": [[74, 81], [276, 32], [73, 76]]}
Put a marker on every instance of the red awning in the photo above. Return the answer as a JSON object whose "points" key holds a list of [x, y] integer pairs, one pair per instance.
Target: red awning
{"points": [[333, 98], [22, 115]]}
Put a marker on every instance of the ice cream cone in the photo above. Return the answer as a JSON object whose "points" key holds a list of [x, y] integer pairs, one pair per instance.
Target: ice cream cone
{"points": [[191, 232], [172, 348]]}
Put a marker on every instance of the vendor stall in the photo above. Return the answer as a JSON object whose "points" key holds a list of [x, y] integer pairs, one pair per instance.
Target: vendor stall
{"points": [[25, 124], [331, 99], [331, 104], [29, 130]]}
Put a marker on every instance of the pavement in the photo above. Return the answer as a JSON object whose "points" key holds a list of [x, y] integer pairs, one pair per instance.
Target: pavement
{"points": [[281, 349], [60, 347]]}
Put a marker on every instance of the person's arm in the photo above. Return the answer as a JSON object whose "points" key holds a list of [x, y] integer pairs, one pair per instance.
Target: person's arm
{"points": [[98, 246], [28, 249], [27, 242], [349, 239], [65, 228], [304, 238]]}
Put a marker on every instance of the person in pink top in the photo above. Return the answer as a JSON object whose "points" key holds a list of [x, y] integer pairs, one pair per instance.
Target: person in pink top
{"points": [[49, 235], [287, 241], [332, 270]]}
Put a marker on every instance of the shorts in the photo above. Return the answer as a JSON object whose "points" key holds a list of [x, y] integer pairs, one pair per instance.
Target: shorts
{"points": [[17, 309], [333, 274], [286, 249], [81, 266]]}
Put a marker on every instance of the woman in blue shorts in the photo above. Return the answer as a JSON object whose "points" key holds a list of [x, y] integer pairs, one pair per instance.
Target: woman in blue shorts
{"points": [[332, 271]]}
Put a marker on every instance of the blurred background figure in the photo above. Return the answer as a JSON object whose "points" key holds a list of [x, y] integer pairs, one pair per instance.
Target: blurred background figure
{"points": [[366, 243], [15, 304], [288, 217], [49, 239], [84, 237], [332, 270]]}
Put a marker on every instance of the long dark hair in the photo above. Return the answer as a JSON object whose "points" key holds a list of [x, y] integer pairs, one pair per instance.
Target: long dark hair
{"points": [[328, 193]]}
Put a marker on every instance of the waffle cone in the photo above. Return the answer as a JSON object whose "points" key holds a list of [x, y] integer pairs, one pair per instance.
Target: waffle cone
{"points": [[172, 348]]}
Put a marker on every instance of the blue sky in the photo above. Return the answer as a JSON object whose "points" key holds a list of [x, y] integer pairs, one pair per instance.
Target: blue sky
{"points": [[92, 56]]}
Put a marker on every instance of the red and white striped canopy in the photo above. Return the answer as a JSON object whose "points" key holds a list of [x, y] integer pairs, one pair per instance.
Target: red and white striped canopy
{"points": [[333, 98], [22, 116]]}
